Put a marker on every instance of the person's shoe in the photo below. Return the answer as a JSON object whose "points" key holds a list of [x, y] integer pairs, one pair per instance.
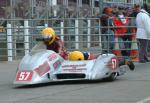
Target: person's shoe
{"points": [[130, 65], [147, 60], [142, 61]]}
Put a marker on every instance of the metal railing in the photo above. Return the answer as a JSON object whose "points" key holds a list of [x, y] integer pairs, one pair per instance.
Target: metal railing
{"points": [[78, 34], [82, 34]]}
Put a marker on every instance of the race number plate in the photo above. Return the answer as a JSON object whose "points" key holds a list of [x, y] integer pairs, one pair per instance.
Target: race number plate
{"points": [[24, 75]]}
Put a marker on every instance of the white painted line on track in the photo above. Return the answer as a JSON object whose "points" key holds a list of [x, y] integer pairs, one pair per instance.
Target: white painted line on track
{"points": [[146, 100]]}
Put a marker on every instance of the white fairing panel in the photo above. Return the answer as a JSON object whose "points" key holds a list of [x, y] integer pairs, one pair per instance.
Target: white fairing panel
{"points": [[100, 69], [92, 69], [36, 67]]}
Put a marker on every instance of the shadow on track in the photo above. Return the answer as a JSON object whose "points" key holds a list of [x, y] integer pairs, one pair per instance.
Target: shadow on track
{"points": [[74, 82]]}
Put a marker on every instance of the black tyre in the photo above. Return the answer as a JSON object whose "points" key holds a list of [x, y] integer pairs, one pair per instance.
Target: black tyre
{"points": [[112, 77]]}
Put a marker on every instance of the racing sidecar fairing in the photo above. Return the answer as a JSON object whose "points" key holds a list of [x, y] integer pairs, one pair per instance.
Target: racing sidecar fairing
{"points": [[47, 66]]}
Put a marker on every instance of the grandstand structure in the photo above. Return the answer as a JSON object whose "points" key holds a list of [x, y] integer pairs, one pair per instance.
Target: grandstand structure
{"points": [[31, 9]]}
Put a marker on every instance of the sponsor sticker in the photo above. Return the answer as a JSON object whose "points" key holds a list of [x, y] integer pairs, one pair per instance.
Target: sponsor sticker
{"points": [[57, 64], [42, 69], [74, 68], [52, 57], [114, 62]]}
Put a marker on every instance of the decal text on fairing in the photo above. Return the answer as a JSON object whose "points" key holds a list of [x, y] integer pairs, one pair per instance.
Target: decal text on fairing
{"points": [[52, 56], [57, 64], [74, 68], [78, 65]]}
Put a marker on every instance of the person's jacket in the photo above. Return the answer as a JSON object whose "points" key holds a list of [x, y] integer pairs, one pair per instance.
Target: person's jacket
{"points": [[106, 23], [57, 46], [120, 25], [143, 25]]}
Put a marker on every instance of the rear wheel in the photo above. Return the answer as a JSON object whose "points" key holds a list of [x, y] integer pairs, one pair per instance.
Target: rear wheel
{"points": [[112, 77]]}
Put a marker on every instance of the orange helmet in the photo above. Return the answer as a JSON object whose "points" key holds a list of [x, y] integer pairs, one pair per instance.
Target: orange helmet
{"points": [[76, 55]]}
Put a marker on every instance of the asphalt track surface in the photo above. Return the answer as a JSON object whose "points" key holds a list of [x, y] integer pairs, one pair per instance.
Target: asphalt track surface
{"points": [[133, 87]]}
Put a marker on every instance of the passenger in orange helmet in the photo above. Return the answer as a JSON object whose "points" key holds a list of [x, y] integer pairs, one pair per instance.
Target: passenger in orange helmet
{"points": [[77, 55]]}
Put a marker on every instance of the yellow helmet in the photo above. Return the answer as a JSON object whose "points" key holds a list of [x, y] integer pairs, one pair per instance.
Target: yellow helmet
{"points": [[49, 34], [76, 55]]}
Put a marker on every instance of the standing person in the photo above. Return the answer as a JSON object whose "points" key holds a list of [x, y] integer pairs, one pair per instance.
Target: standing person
{"points": [[136, 10], [120, 28], [143, 34], [130, 30], [132, 21], [107, 30]]}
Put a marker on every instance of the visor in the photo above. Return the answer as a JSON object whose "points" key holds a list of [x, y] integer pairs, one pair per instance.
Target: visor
{"points": [[43, 39]]}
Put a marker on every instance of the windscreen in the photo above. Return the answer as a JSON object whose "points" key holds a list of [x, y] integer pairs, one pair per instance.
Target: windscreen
{"points": [[38, 48]]}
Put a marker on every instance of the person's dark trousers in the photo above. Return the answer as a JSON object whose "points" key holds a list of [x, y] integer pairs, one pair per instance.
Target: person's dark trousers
{"points": [[127, 43], [148, 50], [143, 45]]}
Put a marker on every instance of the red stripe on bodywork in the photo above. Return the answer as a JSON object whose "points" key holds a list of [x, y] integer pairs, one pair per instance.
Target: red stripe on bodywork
{"points": [[42, 69]]}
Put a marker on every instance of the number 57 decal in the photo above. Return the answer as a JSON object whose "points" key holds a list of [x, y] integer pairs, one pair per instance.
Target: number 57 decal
{"points": [[24, 75]]}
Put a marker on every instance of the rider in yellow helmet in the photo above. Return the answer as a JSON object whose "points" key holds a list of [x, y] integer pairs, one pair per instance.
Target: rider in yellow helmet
{"points": [[48, 35], [53, 42]]}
